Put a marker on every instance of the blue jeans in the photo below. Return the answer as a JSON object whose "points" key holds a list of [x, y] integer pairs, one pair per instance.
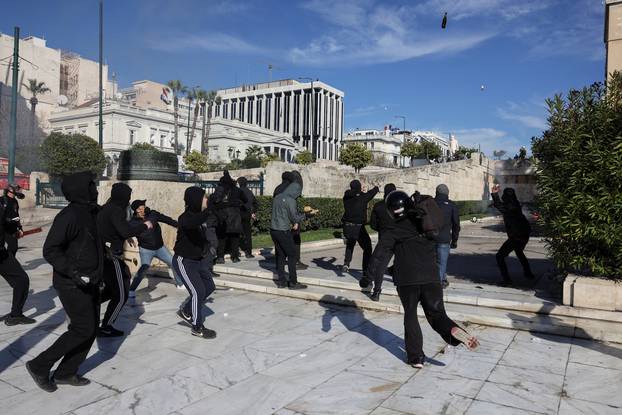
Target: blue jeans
{"points": [[442, 255], [146, 256]]}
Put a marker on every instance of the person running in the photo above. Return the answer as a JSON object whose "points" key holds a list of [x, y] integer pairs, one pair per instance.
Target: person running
{"points": [[355, 203], [415, 274], [248, 212], [75, 251], [13, 226], [518, 230], [192, 260], [10, 268], [114, 229], [448, 235], [285, 217], [150, 243]]}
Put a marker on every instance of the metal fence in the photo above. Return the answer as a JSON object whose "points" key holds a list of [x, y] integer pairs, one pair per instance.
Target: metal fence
{"points": [[255, 186], [50, 195]]}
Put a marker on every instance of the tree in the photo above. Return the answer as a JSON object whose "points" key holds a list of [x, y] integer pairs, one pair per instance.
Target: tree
{"points": [[430, 151], [499, 153], [411, 150], [199, 95], [35, 88], [176, 88], [64, 154], [304, 157], [579, 178], [355, 155], [196, 162], [465, 152], [210, 100], [191, 95], [267, 158]]}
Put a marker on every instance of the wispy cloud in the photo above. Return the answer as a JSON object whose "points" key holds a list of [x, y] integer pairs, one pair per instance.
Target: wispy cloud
{"points": [[529, 115], [488, 139], [213, 42], [463, 9]]}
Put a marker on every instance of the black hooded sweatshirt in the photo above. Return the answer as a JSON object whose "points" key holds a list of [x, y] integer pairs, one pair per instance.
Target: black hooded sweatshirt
{"points": [[355, 203], [112, 225], [516, 224], [191, 240], [72, 246], [380, 219], [152, 238]]}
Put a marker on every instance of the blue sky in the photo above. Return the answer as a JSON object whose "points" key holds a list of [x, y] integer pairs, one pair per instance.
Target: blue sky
{"points": [[389, 57]]}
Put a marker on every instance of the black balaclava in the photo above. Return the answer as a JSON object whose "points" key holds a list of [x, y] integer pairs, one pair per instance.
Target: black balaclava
{"points": [[355, 185], [388, 188], [120, 195], [509, 197], [242, 181], [193, 196], [226, 179], [78, 188]]}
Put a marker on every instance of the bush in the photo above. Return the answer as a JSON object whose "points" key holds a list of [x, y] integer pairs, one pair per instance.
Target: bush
{"points": [[579, 165], [355, 155], [304, 157], [196, 162], [143, 146], [64, 154]]}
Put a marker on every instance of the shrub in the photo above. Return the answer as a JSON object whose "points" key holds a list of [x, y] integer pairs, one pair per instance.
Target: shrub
{"points": [[64, 154], [143, 146], [304, 157], [355, 155], [196, 162], [579, 166]]}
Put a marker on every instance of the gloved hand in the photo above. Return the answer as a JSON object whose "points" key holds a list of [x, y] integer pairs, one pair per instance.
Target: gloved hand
{"points": [[82, 279], [454, 245]]}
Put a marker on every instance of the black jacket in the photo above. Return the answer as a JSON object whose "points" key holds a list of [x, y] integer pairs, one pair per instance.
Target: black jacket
{"points": [[228, 199], [251, 205], [380, 219], [112, 224], [355, 205], [516, 224], [72, 245], [11, 212], [415, 255], [192, 240], [152, 238], [451, 225]]}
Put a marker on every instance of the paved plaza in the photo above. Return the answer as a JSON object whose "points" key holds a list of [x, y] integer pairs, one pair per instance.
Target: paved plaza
{"points": [[290, 356]]}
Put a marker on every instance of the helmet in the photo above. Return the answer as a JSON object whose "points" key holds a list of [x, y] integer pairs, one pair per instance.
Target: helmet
{"points": [[398, 203]]}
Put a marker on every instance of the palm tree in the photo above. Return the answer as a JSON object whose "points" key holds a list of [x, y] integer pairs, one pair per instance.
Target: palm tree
{"points": [[211, 99], [177, 88], [35, 88], [199, 95]]}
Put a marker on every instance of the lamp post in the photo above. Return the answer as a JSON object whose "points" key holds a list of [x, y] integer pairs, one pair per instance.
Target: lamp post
{"points": [[13, 121], [101, 82], [312, 118]]}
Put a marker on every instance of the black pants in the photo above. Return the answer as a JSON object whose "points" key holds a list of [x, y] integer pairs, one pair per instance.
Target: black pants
{"points": [[82, 308], [364, 242], [197, 278], [17, 278], [117, 286], [11, 243], [297, 243], [229, 241], [285, 249], [246, 241], [518, 246], [431, 298]]}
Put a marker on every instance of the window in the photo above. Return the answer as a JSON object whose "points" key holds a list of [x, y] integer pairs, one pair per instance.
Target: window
{"points": [[132, 134], [162, 139], [372, 144]]}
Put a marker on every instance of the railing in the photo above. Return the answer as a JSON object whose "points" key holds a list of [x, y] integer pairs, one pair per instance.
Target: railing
{"points": [[255, 186], [50, 195]]}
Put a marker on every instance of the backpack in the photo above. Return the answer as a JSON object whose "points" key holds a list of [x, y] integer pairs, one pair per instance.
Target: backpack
{"points": [[431, 216]]}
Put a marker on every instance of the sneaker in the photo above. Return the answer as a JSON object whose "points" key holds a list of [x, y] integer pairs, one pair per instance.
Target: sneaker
{"points": [[417, 363], [375, 296], [131, 294], [345, 268], [444, 284], [235, 260], [203, 332], [300, 266], [281, 284], [42, 381], [249, 255], [184, 316], [75, 380], [109, 331], [15, 320], [465, 338], [220, 260], [296, 286]]}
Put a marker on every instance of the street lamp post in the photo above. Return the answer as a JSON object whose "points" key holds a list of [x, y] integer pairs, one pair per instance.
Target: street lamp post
{"points": [[13, 121], [312, 118], [101, 82]]}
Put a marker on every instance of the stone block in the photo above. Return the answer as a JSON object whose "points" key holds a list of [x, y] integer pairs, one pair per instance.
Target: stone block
{"points": [[592, 292]]}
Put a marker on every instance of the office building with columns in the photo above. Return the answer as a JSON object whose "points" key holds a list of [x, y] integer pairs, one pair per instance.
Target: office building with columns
{"points": [[310, 113]]}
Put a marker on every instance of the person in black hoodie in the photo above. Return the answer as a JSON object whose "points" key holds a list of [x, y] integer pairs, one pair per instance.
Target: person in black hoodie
{"points": [[228, 199], [248, 211], [150, 243], [415, 273], [75, 251], [380, 219], [448, 235], [192, 260], [10, 268], [13, 227], [355, 203], [517, 228], [114, 229]]}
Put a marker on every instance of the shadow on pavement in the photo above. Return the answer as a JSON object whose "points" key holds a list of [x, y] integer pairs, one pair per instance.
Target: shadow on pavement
{"points": [[33, 264]]}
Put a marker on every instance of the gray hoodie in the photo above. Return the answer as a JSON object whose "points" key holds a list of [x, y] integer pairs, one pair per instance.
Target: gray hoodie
{"points": [[284, 210]]}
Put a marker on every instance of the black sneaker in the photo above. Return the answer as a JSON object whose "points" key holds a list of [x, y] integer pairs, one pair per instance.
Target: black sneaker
{"points": [[375, 296], [281, 284], [235, 259], [506, 282], [417, 363], [184, 316], [249, 255], [301, 267], [296, 286], [15, 320], [203, 332], [42, 381], [75, 380], [444, 284], [109, 331], [345, 268], [220, 260]]}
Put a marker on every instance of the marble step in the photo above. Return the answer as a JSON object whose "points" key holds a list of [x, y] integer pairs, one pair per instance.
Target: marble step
{"points": [[458, 293], [465, 313]]}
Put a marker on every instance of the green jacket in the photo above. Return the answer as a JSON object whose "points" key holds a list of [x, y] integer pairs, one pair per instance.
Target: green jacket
{"points": [[284, 209]]}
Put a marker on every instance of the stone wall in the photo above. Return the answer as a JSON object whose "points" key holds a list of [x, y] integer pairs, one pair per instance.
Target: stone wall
{"points": [[520, 175]]}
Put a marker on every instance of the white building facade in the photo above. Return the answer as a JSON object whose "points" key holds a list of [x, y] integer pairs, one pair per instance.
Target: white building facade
{"points": [[310, 114]]}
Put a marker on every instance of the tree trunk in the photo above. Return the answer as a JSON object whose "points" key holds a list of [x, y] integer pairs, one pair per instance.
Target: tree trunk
{"points": [[203, 128], [33, 106], [207, 125], [175, 116], [194, 125]]}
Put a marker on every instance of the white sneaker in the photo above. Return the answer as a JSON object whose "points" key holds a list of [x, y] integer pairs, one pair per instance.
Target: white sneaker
{"points": [[131, 294], [181, 287]]}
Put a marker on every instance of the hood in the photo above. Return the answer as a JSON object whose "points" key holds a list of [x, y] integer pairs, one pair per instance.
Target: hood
{"points": [[294, 190], [226, 179], [120, 195], [442, 189], [388, 188], [288, 176], [193, 197], [355, 185], [296, 176], [242, 181], [509, 196], [15, 189], [79, 187]]}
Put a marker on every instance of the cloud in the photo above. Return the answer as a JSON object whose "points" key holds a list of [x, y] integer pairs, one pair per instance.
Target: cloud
{"points": [[463, 9], [213, 42], [531, 121], [488, 139]]}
